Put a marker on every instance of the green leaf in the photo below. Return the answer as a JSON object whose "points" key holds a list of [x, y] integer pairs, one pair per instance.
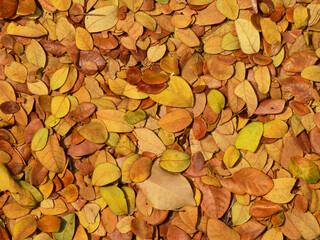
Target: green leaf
{"points": [[249, 137], [116, 199], [216, 101], [174, 161], [67, 227], [304, 169]]}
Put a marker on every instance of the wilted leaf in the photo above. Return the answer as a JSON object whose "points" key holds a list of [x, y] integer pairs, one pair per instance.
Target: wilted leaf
{"points": [[304, 169], [166, 190], [245, 91], [52, 156]]}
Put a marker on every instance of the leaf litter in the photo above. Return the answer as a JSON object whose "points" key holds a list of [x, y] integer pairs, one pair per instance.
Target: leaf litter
{"points": [[165, 119]]}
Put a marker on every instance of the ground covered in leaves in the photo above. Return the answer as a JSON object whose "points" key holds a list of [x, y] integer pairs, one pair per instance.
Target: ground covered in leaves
{"points": [[165, 119]]}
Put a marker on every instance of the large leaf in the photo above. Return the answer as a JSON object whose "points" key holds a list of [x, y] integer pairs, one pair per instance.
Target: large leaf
{"points": [[101, 19], [52, 156], [177, 94], [167, 191], [248, 35]]}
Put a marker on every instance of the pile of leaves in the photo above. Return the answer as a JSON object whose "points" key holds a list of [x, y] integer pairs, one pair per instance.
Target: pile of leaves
{"points": [[165, 119]]}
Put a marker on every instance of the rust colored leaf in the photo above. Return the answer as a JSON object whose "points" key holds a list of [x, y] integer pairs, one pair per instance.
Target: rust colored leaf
{"points": [[9, 107], [263, 209], [270, 106], [298, 61]]}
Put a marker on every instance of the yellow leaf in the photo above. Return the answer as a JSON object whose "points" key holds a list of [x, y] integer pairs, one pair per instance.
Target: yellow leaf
{"points": [[248, 35], [6, 92], [270, 30], [115, 199], [14, 210], [125, 146], [167, 191], [60, 106], [174, 161], [311, 73], [83, 39], [213, 45], [249, 137], [52, 207], [31, 29], [175, 121], [156, 52], [230, 42], [240, 213], [52, 156], [216, 101], [114, 120], [35, 54], [306, 224], [229, 8], [263, 79], [94, 131], [71, 80], [105, 173], [281, 192], [16, 72], [170, 65], [130, 197], [24, 228], [177, 94], [246, 92], [59, 78], [125, 168], [133, 5], [101, 19], [272, 234], [140, 169], [218, 230], [131, 91], [62, 5], [39, 139], [146, 20], [231, 156], [65, 31], [300, 16], [218, 69], [188, 37], [38, 88], [275, 129], [148, 141]]}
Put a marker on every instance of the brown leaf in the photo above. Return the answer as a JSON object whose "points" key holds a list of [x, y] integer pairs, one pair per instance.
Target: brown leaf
{"points": [[252, 181], [175, 233], [9, 107], [315, 139], [270, 106], [8, 8], [298, 61], [215, 201], [141, 228], [250, 230], [300, 88], [83, 111], [84, 148], [263, 209]]}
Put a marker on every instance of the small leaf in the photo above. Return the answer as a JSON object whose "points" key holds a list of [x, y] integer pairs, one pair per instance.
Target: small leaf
{"points": [[35, 54], [249, 137], [175, 121], [105, 173], [304, 169], [174, 161], [40, 139], [115, 198], [94, 131], [216, 101], [83, 39], [231, 156]]}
